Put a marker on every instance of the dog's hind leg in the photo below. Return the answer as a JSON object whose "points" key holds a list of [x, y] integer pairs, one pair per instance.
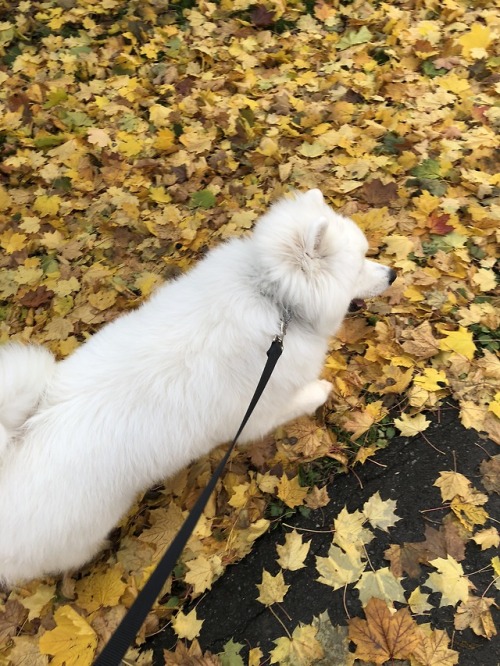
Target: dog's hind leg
{"points": [[24, 373]]}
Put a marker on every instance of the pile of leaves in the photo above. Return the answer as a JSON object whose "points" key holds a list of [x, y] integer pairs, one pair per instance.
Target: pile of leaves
{"points": [[136, 134]]}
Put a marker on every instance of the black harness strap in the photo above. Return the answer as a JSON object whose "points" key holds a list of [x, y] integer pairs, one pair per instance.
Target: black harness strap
{"points": [[117, 646]]}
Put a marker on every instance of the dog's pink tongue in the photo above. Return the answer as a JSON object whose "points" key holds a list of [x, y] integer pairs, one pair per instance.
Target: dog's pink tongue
{"points": [[357, 304]]}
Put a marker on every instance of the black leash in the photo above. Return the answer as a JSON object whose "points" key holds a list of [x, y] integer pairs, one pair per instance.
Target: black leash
{"points": [[118, 644]]}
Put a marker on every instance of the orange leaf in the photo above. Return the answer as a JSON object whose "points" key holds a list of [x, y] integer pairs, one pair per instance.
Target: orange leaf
{"points": [[383, 635]]}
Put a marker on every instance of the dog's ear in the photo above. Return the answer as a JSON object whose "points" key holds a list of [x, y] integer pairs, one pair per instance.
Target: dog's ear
{"points": [[316, 196], [315, 242]]}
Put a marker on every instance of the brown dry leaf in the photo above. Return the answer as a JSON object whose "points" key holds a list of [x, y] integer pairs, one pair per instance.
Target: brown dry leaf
{"points": [[11, 619], [433, 649], [311, 441], [383, 636], [26, 653], [490, 471], [317, 497], [475, 613], [420, 342], [376, 193], [190, 656]]}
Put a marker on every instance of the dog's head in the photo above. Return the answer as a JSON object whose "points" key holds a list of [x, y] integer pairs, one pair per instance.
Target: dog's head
{"points": [[313, 260]]}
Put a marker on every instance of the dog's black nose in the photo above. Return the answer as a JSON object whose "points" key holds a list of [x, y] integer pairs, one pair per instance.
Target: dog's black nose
{"points": [[392, 276]]}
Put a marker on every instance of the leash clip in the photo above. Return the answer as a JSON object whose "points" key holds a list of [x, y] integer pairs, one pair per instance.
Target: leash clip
{"points": [[284, 321]]}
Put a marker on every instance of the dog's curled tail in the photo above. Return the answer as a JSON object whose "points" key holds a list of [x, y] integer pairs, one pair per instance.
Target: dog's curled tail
{"points": [[24, 373]]}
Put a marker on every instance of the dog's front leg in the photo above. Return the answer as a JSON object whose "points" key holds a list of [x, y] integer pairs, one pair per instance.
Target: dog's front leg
{"points": [[308, 399]]}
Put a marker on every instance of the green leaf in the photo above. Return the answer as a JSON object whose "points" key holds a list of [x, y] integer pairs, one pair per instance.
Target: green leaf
{"points": [[202, 199], [427, 169], [430, 70], [54, 97], [49, 140], [362, 36], [231, 654]]}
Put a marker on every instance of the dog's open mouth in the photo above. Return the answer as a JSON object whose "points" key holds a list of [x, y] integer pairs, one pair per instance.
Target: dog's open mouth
{"points": [[357, 304]]}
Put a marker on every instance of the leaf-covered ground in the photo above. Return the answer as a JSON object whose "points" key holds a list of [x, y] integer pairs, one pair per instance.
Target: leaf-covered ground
{"points": [[135, 135]]}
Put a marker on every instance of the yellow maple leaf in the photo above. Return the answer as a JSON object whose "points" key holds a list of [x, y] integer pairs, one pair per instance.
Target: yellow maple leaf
{"points": [[291, 492], [302, 649], [452, 484], [409, 426], [339, 568], [349, 530], [312, 149], [468, 514], [203, 571], [494, 405], [101, 589], [431, 379], [485, 279], [380, 584], [485, 538], [453, 83], [449, 580], [165, 139], [11, 241], [103, 299], [379, 512], [311, 441], [461, 342], [37, 601], [397, 245], [293, 552], [187, 626], [72, 642], [413, 294], [5, 199], [47, 205], [419, 602], [478, 37], [159, 115], [128, 144], [272, 589]]}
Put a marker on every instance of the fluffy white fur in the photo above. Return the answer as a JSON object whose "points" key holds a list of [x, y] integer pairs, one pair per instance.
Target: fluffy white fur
{"points": [[166, 383]]}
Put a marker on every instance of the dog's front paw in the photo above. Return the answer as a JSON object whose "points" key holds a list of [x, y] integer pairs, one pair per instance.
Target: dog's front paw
{"points": [[315, 394]]}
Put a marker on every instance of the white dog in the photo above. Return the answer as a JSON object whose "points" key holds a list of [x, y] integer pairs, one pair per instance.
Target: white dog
{"points": [[169, 381]]}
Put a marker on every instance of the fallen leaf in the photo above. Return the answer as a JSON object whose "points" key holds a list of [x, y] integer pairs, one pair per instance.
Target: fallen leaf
{"points": [[409, 426], [187, 625], [475, 613], [379, 512], [380, 584], [383, 636], [302, 649], [73, 641], [449, 580], [272, 589], [293, 552], [433, 648]]}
